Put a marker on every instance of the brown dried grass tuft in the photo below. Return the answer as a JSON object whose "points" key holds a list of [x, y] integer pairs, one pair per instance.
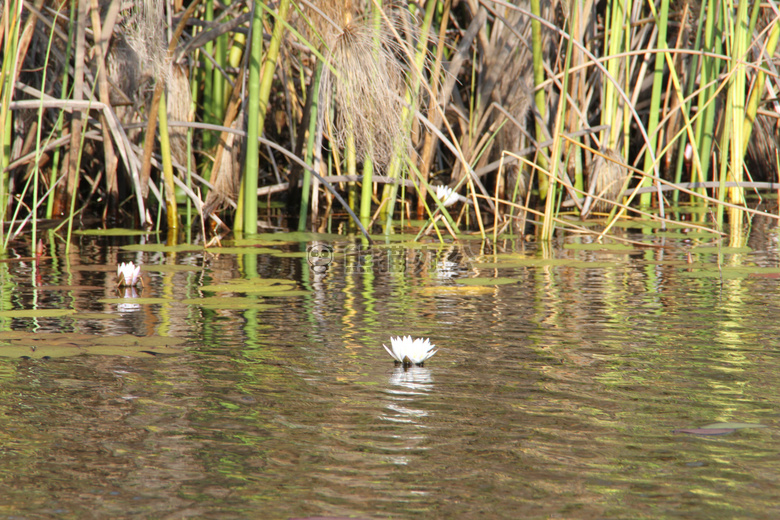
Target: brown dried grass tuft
{"points": [[364, 83], [145, 30]]}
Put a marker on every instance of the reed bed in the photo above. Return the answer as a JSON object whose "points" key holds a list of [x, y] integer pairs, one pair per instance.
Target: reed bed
{"points": [[352, 114]]}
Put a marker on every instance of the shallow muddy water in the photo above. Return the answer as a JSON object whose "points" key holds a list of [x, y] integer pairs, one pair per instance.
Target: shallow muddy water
{"points": [[573, 382]]}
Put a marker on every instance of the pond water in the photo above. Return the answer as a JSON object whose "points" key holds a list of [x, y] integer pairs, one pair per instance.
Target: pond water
{"points": [[571, 382]]}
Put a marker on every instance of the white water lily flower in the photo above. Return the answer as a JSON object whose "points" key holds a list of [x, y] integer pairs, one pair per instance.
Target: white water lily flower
{"points": [[446, 195], [128, 274], [410, 351]]}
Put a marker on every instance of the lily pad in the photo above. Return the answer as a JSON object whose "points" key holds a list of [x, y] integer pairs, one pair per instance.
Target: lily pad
{"points": [[725, 250], [36, 313], [297, 236], [296, 292], [719, 428], [487, 281], [51, 345], [647, 223], [290, 254], [260, 281], [247, 242], [734, 426], [726, 273], [162, 248], [414, 245], [242, 250], [705, 431], [116, 232], [680, 233], [461, 290], [230, 303], [138, 301], [249, 287], [524, 262], [392, 240], [620, 248]]}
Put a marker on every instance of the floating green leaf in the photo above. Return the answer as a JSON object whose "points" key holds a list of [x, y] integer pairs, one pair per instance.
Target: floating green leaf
{"points": [[735, 425], [487, 281], [242, 250], [116, 232], [138, 301], [51, 345], [162, 248], [456, 290], [290, 254], [249, 287], [725, 250], [228, 302], [36, 313], [623, 248], [297, 236]]}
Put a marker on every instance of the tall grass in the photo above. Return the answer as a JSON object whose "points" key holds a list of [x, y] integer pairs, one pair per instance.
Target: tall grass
{"points": [[511, 92]]}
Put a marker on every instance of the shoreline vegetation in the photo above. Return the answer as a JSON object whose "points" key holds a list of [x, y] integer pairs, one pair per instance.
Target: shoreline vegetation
{"points": [[216, 117]]}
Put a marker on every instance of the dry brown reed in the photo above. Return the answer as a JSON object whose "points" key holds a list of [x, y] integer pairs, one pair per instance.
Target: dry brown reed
{"points": [[606, 179], [363, 82]]}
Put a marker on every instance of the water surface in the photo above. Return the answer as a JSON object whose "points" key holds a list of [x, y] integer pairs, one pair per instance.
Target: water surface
{"points": [[558, 390]]}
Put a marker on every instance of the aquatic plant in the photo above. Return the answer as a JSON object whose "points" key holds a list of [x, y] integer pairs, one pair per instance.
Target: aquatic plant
{"points": [[408, 351], [446, 195], [135, 121], [128, 274]]}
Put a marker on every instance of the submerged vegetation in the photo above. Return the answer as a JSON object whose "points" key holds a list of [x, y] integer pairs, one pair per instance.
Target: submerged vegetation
{"points": [[230, 115]]}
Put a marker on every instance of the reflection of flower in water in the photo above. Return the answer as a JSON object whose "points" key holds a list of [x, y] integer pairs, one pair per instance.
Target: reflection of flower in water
{"points": [[446, 269], [414, 381], [414, 378], [128, 293], [406, 385]]}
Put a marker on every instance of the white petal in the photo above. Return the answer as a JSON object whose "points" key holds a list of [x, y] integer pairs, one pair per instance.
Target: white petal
{"points": [[391, 353], [410, 351]]}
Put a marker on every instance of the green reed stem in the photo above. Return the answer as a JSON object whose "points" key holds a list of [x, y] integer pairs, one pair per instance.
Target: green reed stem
{"points": [[758, 87], [539, 100], [7, 78], [710, 70], [165, 151], [259, 92], [737, 41], [738, 92], [655, 100], [64, 94], [550, 213], [367, 191], [209, 100], [313, 117], [616, 39], [691, 82], [350, 159], [219, 95], [38, 149], [247, 218]]}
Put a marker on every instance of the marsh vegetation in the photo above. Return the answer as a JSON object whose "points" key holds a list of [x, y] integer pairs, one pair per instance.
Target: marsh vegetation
{"points": [[347, 114]]}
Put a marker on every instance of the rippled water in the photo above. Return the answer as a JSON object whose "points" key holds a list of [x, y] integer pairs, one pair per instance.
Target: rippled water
{"points": [[556, 393]]}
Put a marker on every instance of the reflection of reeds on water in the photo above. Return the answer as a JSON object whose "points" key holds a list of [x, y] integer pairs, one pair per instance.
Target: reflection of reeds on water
{"points": [[606, 177], [363, 83]]}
